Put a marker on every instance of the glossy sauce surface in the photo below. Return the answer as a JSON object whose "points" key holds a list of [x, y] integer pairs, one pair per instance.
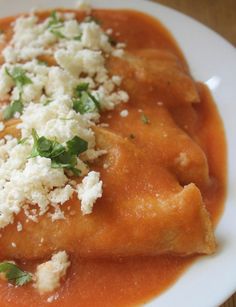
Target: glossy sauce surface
{"points": [[131, 281]]}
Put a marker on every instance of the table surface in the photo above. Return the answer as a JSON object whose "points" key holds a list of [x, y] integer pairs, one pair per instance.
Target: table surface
{"points": [[219, 15]]}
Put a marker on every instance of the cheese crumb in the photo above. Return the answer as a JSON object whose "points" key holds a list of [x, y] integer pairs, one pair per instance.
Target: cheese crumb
{"points": [[19, 226], [182, 159], [52, 298], [48, 274], [89, 191], [124, 113]]}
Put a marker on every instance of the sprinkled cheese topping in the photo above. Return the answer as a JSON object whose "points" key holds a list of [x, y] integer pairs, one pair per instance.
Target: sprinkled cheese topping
{"points": [[89, 191], [56, 84], [48, 274]]}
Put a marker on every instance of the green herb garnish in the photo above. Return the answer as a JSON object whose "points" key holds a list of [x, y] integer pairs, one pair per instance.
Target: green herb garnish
{"points": [[61, 156], [22, 141], [47, 102], [78, 37], [55, 23], [145, 119], [14, 107], [18, 75], [81, 88], [57, 33], [77, 145], [84, 101], [14, 274], [45, 148], [54, 20]]}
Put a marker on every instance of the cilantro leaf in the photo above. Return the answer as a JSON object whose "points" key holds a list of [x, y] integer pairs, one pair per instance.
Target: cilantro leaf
{"points": [[81, 88], [48, 101], [77, 145], [78, 37], [57, 33], [145, 119], [84, 104], [14, 107], [54, 19], [22, 141], [19, 77], [61, 156], [45, 148], [14, 274], [84, 101]]}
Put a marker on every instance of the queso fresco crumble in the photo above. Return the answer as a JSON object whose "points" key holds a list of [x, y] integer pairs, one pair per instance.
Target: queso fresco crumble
{"points": [[55, 105]]}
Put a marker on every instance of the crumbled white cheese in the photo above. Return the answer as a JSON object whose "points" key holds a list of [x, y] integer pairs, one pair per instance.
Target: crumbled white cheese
{"points": [[6, 82], [52, 298], [124, 113], [61, 195], [48, 274], [89, 191], [19, 227], [182, 159], [76, 56]]}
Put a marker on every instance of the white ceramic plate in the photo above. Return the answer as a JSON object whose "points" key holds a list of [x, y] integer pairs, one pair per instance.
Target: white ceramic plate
{"points": [[211, 280]]}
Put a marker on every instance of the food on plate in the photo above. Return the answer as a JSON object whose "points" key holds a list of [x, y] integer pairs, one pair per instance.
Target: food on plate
{"points": [[106, 158]]}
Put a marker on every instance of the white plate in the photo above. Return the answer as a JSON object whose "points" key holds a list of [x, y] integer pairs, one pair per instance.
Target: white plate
{"points": [[211, 280]]}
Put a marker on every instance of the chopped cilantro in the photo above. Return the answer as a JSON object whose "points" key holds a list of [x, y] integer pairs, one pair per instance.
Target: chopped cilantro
{"points": [[61, 156], [45, 148], [54, 20], [80, 88], [19, 77], [14, 274], [47, 102], [77, 145], [14, 107], [84, 101], [57, 33], [22, 141], [145, 119], [78, 37], [54, 25]]}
